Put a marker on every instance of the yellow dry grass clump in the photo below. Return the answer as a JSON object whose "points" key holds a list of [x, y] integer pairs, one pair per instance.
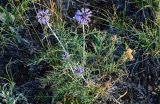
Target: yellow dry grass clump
{"points": [[128, 55]]}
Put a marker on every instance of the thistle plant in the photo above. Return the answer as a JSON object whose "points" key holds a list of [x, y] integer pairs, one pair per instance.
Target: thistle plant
{"points": [[83, 18], [43, 17]]}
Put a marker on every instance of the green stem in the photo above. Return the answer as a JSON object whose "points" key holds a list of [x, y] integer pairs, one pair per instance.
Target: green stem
{"points": [[84, 44], [57, 38]]}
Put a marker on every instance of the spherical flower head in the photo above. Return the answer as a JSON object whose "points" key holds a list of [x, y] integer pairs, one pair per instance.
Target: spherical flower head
{"points": [[78, 70], [66, 56], [43, 16], [83, 16]]}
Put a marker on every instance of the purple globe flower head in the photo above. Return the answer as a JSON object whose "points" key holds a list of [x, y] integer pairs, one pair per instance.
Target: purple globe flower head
{"points": [[83, 16], [78, 70], [66, 55], [43, 16]]}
